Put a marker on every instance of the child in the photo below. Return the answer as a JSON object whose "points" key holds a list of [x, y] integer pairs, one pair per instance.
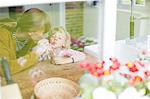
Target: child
{"points": [[62, 54]]}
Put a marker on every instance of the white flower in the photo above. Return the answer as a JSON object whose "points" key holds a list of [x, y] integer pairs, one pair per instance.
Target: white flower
{"points": [[108, 78], [88, 80], [124, 70], [122, 80], [145, 97], [148, 85], [102, 93], [130, 93]]}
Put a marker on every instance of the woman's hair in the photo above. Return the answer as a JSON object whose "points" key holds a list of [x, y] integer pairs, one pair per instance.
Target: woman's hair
{"points": [[8, 23], [33, 20], [62, 30]]}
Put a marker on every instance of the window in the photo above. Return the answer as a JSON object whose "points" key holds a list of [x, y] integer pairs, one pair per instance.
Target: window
{"points": [[136, 2]]}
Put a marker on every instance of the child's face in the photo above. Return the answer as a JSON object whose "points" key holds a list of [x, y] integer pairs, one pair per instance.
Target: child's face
{"points": [[58, 40]]}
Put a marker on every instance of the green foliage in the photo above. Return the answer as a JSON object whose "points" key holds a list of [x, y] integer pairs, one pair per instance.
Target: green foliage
{"points": [[141, 2], [79, 44]]}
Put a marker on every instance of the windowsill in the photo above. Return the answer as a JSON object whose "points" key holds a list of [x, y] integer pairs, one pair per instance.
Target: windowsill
{"points": [[137, 5], [123, 51]]}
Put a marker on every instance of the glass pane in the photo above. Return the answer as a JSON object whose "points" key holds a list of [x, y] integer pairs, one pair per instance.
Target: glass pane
{"points": [[136, 2], [126, 1], [135, 23], [74, 18], [49, 40]]}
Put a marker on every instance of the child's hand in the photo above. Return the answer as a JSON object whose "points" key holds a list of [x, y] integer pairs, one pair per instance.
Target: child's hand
{"points": [[66, 53], [43, 49], [62, 60]]}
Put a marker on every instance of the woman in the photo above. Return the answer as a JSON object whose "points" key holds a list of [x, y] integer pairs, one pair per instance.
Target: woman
{"points": [[30, 28]]}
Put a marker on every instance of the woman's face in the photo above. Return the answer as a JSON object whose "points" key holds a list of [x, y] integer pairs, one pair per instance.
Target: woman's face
{"points": [[36, 36], [22, 36], [58, 40]]}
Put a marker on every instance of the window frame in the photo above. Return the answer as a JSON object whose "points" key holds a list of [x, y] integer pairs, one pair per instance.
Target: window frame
{"points": [[9, 3]]}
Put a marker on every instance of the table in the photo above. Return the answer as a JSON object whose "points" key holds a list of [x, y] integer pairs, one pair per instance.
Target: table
{"points": [[70, 71]]}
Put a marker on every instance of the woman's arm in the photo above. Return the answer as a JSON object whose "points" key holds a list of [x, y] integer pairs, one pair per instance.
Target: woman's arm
{"points": [[26, 49], [8, 50], [22, 63]]}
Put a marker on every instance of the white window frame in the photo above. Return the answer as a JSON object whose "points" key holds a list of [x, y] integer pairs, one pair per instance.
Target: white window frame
{"points": [[107, 32], [6, 3]]}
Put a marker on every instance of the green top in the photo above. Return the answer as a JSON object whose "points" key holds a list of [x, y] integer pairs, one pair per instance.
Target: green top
{"points": [[8, 50], [25, 47]]}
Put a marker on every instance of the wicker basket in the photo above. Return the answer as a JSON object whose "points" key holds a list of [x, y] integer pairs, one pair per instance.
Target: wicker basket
{"points": [[56, 88]]}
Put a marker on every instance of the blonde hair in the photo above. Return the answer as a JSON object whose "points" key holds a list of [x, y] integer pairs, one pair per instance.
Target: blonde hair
{"points": [[8, 23], [62, 30], [32, 20]]}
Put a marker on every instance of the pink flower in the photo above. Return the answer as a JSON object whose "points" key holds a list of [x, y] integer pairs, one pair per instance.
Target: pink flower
{"points": [[115, 64], [85, 64], [140, 63], [147, 73], [132, 67], [126, 75], [145, 52], [100, 65]]}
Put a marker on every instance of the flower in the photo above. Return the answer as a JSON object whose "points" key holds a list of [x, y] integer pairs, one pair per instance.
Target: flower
{"points": [[132, 67], [116, 77], [79, 44], [102, 93]]}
